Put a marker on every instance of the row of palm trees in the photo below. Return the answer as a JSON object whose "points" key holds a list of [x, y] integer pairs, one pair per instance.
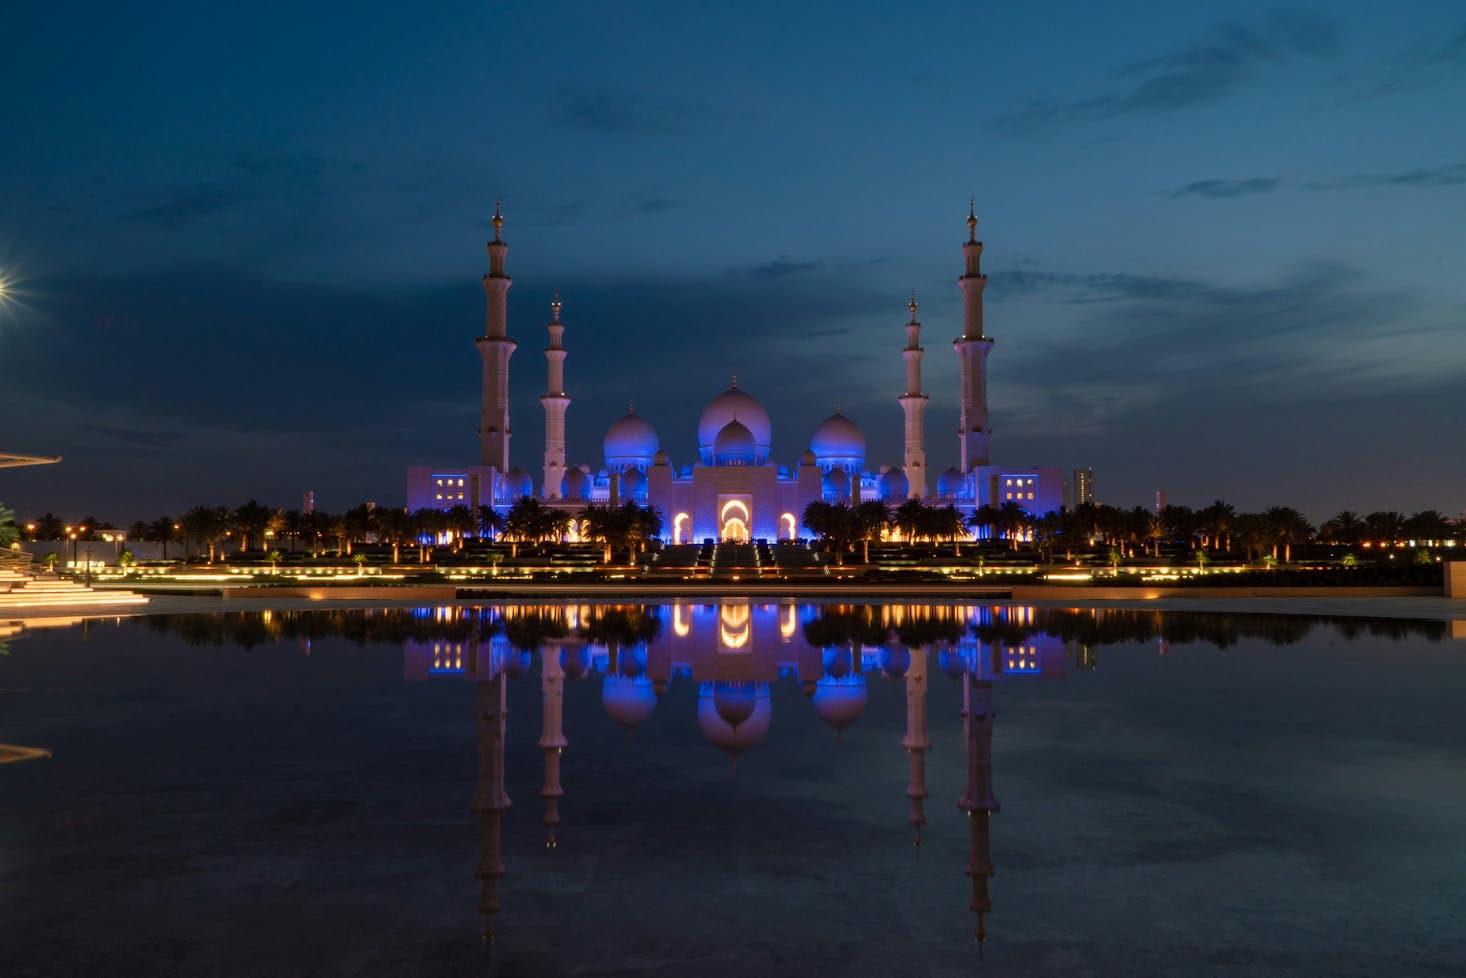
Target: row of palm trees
{"points": [[252, 526], [1270, 533], [1214, 529]]}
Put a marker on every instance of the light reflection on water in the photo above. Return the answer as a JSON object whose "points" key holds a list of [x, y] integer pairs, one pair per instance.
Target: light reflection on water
{"points": [[739, 657]]}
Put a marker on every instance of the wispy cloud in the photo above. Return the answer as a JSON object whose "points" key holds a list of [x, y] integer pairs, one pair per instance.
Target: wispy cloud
{"points": [[190, 207], [781, 267], [1227, 188], [1206, 71], [1446, 175], [144, 438], [619, 112]]}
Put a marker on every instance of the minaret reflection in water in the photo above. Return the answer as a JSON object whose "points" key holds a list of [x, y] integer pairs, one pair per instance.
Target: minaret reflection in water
{"points": [[735, 652]]}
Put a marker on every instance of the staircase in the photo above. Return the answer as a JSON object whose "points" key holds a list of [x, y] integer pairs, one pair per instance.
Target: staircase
{"points": [[19, 589]]}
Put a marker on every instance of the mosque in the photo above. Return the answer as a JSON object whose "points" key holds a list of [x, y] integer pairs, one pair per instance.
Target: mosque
{"points": [[734, 491]]}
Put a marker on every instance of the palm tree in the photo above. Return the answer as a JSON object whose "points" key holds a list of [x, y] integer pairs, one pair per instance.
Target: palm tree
{"points": [[252, 520], [461, 523], [163, 529], [871, 517], [204, 525], [1046, 531], [1287, 527], [834, 523], [1218, 520], [1344, 526], [1428, 524], [1384, 526], [490, 521], [394, 527], [910, 519], [1012, 521], [361, 524], [983, 517]]}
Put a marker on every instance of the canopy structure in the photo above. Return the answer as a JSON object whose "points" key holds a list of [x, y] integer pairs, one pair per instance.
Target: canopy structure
{"points": [[11, 459]]}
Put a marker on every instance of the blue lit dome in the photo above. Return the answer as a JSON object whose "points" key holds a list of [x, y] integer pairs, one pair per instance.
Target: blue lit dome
{"points": [[633, 485], [840, 702], [576, 485], [950, 482], [835, 486], [838, 441], [735, 444], [628, 701], [631, 441], [893, 485], [727, 736], [730, 405], [895, 660], [952, 663], [518, 483], [734, 701]]}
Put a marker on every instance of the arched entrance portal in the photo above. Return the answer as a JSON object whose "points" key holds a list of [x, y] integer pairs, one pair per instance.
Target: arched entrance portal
{"points": [[735, 531], [733, 521]]}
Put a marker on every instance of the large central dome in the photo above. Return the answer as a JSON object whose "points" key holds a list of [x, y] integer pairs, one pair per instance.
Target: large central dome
{"points": [[734, 405]]}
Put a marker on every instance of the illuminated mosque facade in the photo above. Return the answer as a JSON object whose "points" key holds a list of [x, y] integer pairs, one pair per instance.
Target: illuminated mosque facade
{"points": [[733, 491]]}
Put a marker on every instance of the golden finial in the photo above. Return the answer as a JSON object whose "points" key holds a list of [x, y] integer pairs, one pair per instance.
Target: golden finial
{"points": [[912, 305], [555, 305], [735, 380], [498, 219], [631, 407], [971, 218]]}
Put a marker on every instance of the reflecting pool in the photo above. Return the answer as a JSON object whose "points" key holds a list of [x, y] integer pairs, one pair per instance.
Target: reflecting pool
{"points": [[732, 788]]}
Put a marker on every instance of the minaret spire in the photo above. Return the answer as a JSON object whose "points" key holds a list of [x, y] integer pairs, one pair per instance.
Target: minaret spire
{"points": [[913, 406], [972, 349], [978, 800], [490, 800], [496, 348], [555, 402], [916, 741]]}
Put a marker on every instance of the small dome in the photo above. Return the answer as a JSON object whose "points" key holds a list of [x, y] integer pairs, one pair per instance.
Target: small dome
{"points": [[952, 663], [660, 458], [838, 441], [735, 702], [840, 702], [735, 445], [892, 485], [731, 738], [835, 485], [949, 483], [633, 485], [518, 483], [732, 404], [836, 662], [628, 701], [576, 485], [630, 441], [807, 458], [895, 660]]}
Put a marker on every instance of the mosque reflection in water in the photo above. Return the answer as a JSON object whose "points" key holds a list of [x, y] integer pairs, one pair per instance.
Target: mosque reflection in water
{"points": [[735, 652]]}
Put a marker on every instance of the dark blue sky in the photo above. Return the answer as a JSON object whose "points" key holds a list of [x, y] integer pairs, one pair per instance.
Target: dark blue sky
{"points": [[1223, 239]]}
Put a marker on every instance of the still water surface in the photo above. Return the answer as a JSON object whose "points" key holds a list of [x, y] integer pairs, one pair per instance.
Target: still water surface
{"points": [[734, 788]]}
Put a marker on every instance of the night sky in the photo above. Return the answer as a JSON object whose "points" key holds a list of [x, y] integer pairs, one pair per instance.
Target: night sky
{"points": [[1224, 240]]}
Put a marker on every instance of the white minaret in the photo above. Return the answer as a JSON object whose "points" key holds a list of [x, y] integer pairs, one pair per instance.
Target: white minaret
{"points": [[497, 348], [972, 349], [913, 406], [556, 401]]}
